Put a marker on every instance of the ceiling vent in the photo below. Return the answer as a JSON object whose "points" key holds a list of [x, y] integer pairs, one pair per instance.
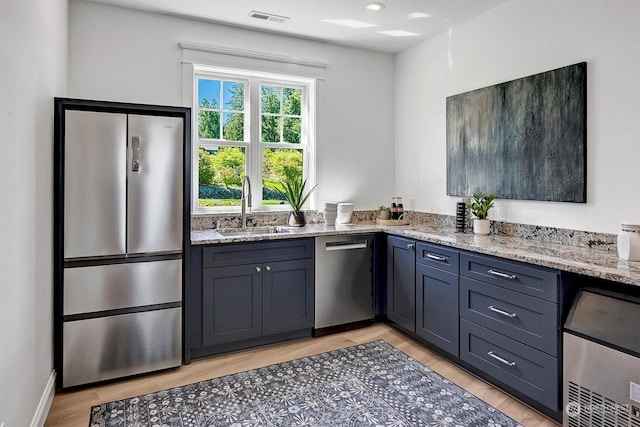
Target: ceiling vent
{"points": [[268, 17]]}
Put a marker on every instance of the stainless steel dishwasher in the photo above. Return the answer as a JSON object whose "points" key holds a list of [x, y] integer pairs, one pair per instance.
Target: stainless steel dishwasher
{"points": [[344, 279]]}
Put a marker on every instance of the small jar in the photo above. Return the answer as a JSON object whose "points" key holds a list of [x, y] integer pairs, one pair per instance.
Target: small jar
{"points": [[629, 241]]}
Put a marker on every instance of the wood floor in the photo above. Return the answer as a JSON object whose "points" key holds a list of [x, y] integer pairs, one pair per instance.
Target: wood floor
{"points": [[71, 409]]}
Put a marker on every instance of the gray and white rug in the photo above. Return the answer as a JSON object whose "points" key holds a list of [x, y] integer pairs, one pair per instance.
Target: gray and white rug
{"points": [[372, 384]]}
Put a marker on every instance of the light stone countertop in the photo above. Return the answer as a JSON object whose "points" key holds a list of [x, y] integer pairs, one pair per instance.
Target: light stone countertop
{"points": [[581, 260]]}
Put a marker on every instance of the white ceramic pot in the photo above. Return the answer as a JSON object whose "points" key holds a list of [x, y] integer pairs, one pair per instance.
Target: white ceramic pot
{"points": [[481, 226]]}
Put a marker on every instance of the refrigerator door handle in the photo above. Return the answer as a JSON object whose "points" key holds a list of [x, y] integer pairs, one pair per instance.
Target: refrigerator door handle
{"points": [[135, 158]]}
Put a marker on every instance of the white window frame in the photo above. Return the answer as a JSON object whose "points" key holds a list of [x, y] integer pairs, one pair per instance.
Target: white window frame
{"points": [[253, 147]]}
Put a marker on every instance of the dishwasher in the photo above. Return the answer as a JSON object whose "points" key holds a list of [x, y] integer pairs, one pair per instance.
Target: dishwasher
{"points": [[344, 280]]}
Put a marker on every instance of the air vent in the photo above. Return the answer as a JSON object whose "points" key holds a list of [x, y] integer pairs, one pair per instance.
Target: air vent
{"points": [[591, 409], [268, 17]]}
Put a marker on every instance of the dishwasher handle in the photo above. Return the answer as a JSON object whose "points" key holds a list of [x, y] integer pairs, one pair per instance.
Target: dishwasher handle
{"points": [[343, 246]]}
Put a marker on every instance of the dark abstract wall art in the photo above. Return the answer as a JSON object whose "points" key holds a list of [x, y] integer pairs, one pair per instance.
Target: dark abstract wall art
{"points": [[524, 139]]}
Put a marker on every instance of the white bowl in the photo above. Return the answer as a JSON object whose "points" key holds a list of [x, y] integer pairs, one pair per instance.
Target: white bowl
{"points": [[345, 207], [344, 218]]}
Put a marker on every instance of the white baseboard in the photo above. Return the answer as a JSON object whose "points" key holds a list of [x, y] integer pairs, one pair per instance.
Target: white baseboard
{"points": [[45, 402]]}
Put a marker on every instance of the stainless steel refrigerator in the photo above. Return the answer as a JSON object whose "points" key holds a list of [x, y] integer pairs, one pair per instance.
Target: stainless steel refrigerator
{"points": [[120, 213]]}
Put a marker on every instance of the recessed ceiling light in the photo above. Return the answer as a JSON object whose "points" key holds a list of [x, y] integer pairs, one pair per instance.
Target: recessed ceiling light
{"points": [[398, 33], [418, 15], [349, 23], [374, 6]]}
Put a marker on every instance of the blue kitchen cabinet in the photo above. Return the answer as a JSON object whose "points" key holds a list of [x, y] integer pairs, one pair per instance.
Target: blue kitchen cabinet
{"points": [[437, 307], [510, 327], [243, 295], [287, 296], [422, 291], [437, 296], [401, 282], [231, 304]]}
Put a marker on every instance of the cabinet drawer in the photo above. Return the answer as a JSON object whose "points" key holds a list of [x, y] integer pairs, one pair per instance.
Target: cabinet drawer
{"points": [[530, 320], [437, 256], [529, 371], [256, 253], [535, 281]]}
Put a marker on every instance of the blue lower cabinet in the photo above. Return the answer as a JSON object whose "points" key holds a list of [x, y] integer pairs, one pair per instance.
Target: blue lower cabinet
{"points": [[249, 294], [526, 319], [231, 304], [401, 282], [437, 307], [525, 369], [288, 300]]}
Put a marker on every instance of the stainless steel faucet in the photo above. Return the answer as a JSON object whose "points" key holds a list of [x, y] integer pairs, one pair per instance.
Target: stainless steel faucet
{"points": [[243, 215]]}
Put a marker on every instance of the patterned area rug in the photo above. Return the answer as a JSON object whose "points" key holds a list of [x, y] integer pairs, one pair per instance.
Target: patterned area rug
{"points": [[373, 384]]}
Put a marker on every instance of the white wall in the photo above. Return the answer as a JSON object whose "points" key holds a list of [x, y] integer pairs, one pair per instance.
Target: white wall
{"points": [[517, 39], [123, 55], [33, 71]]}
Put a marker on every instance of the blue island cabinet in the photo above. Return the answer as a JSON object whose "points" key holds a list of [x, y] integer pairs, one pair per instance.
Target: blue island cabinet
{"points": [[250, 294]]}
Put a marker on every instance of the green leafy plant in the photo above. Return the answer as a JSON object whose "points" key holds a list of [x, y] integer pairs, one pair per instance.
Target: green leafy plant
{"points": [[292, 190], [481, 204], [384, 208]]}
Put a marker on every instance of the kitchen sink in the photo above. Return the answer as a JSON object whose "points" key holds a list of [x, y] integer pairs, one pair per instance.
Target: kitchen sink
{"points": [[253, 231]]}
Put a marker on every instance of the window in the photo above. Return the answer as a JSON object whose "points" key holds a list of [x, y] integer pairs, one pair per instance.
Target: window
{"points": [[252, 124]]}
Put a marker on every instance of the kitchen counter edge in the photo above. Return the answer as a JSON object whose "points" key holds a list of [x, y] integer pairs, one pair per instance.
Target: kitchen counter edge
{"points": [[575, 259]]}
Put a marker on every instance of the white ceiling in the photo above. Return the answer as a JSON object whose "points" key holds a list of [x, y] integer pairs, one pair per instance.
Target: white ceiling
{"points": [[307, 17]]}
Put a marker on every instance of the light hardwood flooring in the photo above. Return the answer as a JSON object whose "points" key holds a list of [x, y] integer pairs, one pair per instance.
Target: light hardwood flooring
{"points": [[71, 409]]}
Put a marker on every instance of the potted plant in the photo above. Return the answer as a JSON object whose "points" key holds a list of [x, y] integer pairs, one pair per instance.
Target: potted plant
{"points": [[384, 212], [480, 205], [292, 190]]}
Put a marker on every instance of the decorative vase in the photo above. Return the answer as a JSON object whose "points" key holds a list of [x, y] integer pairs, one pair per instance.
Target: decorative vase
{"points": [[383, 214], [481, 226], [296, 219]]}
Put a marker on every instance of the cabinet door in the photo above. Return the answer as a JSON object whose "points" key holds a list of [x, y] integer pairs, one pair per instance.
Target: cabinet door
{"points": [[401, 282], [288, 296], [231, 303], [437, 307]]}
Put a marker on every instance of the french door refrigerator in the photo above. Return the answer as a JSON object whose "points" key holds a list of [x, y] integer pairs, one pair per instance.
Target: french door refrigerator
{"points": [[121, 216]]}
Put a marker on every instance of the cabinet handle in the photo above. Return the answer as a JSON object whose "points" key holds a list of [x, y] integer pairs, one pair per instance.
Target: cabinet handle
{"points": [[504, 313], [410, 246], [503, 275], [501, 360], [258, 269], [437, 257], [268, 268]]}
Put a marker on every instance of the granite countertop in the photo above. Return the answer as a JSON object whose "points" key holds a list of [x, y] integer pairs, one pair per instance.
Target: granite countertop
{"points": [[581, 260]]}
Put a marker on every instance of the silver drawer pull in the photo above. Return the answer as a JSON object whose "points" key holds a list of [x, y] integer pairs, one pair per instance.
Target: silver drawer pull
{"points": [[436, 257], [504, 275], [410, 246], [258, 269], [504, 313], [500, 359]]}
